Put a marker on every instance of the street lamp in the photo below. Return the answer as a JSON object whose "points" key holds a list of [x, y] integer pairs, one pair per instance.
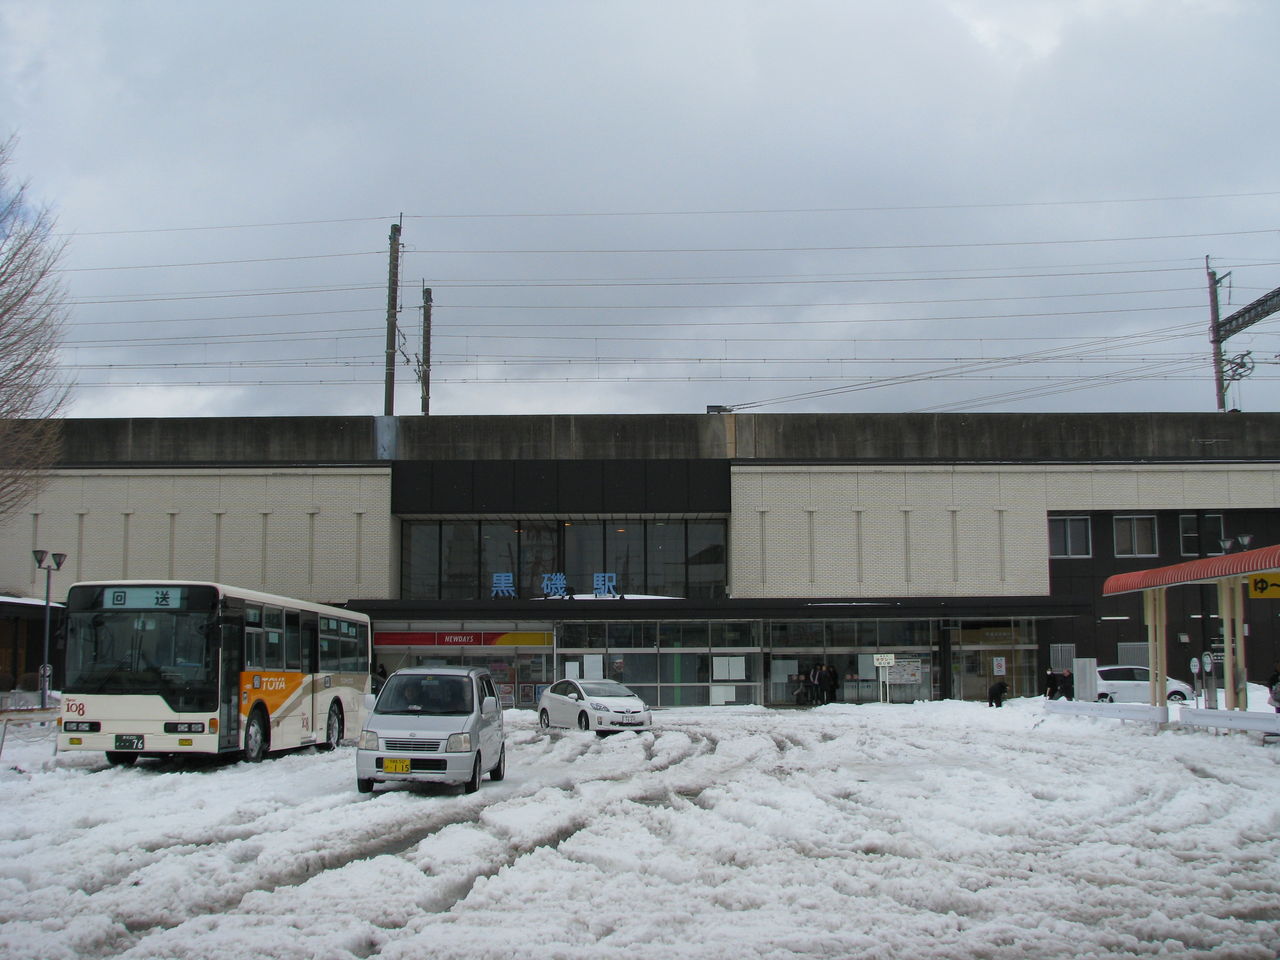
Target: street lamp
{"points": [[48, 562]]}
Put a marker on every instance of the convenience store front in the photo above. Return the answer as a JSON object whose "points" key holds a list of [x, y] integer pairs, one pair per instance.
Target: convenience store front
{"points": [[519, 660]]}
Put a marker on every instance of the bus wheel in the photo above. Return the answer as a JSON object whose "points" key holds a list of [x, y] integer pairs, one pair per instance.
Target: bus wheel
{"points": [[333, 728], [255, 738], [121, 759]]}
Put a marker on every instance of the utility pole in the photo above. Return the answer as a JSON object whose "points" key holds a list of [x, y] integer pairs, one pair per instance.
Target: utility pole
{"points": [[424, 372], [393, 290], [1215, 338]]}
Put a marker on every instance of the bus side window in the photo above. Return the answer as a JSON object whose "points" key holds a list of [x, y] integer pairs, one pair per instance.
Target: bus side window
{"points": [[310, 642], [362, 638], [330, 646], [292, 641]]}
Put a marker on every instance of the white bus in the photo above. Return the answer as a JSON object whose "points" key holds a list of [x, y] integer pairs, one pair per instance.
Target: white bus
{"points": [[159, 668]]}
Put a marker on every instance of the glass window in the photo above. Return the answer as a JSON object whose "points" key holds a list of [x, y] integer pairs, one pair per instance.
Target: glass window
{"points": [[292, 642], [665, 558], [420, 561], [692, 634], [537, 555], [1190, 527], [796, 633], [734, 634], [499, 553], [1135, 536], [459, 560], [684, 667], [583, 553], [633, 635], [624, 554], [1069, 537], [707, 570], [631, 668]]}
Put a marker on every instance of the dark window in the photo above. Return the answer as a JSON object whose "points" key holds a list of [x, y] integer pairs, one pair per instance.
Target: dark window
{"points": [[1200, 534], [665, 558], [499, 553], [420, 561], [537, 555], [1136, 536], [624, 554], [583, 554], [1070, 537], [459, 560], [707, 571]]}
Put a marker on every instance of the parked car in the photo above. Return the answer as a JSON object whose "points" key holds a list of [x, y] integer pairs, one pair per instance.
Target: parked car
{"points": [[433, 725], [600, 705], [1131, 684]]}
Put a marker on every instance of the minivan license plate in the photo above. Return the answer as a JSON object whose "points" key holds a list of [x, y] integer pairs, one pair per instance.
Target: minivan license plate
{"points": [[128, 741], [394, 765]]}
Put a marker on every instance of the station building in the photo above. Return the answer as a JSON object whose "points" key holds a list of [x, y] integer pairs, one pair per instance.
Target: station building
{"points": [[701, 559]]}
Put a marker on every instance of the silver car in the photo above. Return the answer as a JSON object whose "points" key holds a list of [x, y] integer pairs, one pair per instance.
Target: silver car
{"points": [[1132, 684], [433, 725]]}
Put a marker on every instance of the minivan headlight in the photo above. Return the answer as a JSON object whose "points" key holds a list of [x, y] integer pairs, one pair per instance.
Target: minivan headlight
{"points": [[368, 740], [458, 743]]}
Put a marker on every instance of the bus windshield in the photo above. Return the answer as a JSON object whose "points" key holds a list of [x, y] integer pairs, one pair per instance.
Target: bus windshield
{"points": [[171, 653]]}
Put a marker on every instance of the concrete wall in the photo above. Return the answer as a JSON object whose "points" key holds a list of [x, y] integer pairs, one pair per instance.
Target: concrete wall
{"points": [[827, 530], [1015, 438], [318, 534]]}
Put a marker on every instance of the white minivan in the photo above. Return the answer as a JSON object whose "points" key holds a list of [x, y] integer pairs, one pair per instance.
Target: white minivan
{"points": [[433, 725]]}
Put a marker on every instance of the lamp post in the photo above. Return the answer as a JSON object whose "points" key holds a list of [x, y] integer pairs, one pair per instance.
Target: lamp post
{"points": [[48, 562]]}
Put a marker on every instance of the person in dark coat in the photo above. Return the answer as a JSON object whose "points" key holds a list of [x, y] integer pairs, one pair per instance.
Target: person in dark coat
{"points": [[1273, 687], [996, 693], [1067, 685], [1051, 684], [828, 681]]}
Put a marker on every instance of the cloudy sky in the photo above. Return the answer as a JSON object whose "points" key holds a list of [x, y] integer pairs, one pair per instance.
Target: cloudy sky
{"points": [[653, 207]]}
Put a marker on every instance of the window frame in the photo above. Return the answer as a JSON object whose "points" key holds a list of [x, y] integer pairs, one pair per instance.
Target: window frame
{"points": [[1068, 540], [1131, 519]]}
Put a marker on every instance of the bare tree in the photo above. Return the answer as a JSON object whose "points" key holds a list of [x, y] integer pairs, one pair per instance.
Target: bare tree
{"points": [[32, 393]]}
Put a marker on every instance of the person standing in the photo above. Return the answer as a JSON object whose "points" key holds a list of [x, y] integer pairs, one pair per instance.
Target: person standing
{"points": [[1273, 687], [996, 693], [1051, 680], [829, 682], [1067, 685]]}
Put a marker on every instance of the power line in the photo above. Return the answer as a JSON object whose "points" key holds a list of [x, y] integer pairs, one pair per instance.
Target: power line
{"points": [[683, 213]]}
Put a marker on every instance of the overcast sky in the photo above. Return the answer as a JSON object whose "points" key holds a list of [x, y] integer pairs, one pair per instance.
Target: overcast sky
{"points": [[653, 207]]}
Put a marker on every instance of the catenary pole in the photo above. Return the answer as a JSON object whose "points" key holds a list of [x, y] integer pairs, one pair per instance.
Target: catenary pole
{"points": [[1215, 337], [393, 284]]}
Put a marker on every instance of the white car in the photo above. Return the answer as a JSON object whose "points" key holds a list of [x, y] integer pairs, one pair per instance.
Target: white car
{"points": [[600, 705], [1130, 684]]}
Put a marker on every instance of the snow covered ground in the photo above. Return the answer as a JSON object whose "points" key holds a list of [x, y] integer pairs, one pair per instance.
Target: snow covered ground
{"points": [[917, 831]]}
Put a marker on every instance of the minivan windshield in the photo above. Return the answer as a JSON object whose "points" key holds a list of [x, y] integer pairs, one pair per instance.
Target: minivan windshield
{"points": [[425, 694]]}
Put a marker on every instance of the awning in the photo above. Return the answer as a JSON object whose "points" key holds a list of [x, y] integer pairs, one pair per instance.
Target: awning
{"points": [[1207, 570]]}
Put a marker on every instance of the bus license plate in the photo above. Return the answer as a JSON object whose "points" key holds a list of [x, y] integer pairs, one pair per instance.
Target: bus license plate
{"points": [[128, 741], [394, 765]]}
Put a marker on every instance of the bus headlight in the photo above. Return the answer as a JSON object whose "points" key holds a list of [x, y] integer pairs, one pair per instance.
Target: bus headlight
{"points": [[458, 743], [368, 740]]}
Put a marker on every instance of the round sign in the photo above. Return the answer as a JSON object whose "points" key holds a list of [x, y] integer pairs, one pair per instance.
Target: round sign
{"points": [[1195, 664], [1207, 660], [46, 670]]}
